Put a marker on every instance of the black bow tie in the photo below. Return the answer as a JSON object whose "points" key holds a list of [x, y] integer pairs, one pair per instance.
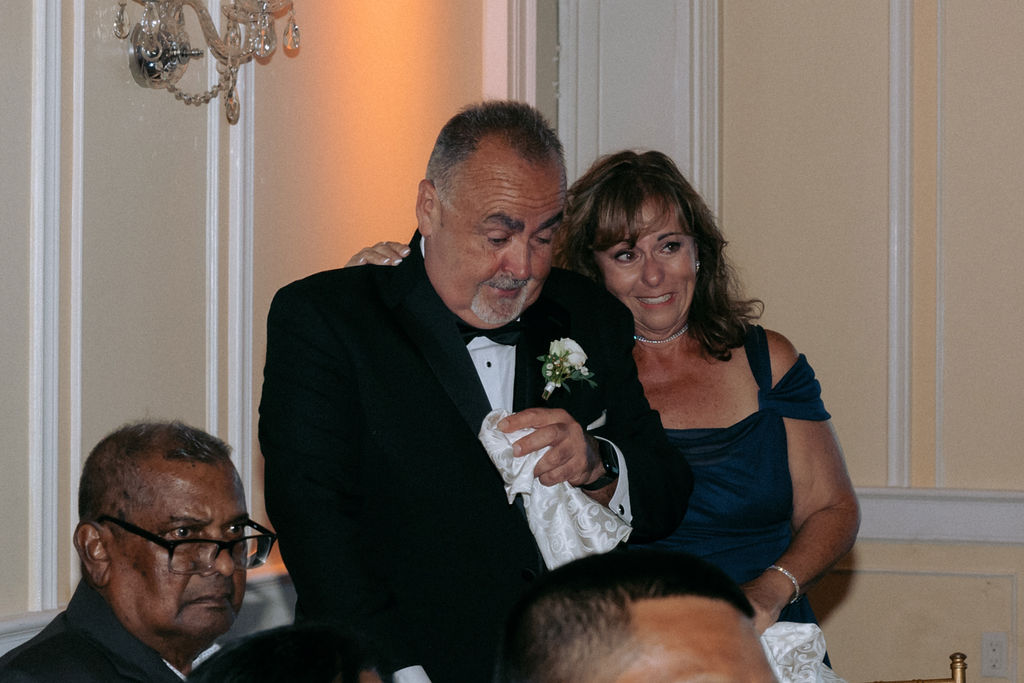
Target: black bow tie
{"points": [[508, 334]]}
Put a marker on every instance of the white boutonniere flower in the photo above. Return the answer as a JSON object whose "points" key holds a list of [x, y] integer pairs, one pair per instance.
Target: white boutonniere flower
{"points": [[564, 361]]}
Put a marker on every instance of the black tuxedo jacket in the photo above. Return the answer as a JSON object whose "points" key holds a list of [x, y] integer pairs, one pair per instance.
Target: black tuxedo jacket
{"points": [[85, 644], [391, 517]]}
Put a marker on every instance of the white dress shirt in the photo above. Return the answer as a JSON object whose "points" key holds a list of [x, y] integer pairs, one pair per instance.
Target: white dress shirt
{"points": [[496, 366]]}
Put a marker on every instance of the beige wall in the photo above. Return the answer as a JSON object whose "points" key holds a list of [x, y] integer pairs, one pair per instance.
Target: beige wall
{"points": [[805, 195], [345, 128], [15, 185], [981, 210], [808, 194], [898, 610]]}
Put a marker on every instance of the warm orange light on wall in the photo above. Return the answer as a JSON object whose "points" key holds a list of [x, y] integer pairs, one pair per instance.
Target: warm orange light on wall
{"points": [[376, 82]]}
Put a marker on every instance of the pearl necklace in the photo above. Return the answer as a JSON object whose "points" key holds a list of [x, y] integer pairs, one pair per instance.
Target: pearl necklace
{"points": [[674, 335]]}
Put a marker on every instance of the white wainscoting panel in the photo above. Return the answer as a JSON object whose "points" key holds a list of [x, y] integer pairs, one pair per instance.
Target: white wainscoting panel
{"points": [[941, 515]]}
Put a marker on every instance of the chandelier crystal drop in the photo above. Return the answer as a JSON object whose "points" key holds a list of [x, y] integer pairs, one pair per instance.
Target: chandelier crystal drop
{"points": [[160, 47]]}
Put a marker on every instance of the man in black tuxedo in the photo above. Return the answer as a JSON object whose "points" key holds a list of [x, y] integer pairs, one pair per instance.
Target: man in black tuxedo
{"points": [[392, 518]]}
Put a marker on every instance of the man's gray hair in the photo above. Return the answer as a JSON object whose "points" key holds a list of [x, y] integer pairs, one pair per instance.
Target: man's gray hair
{"points": [[110, 483], [518, 125]]}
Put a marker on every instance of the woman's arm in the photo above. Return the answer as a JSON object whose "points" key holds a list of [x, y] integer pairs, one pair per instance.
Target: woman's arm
{"points": [[826, 515]]}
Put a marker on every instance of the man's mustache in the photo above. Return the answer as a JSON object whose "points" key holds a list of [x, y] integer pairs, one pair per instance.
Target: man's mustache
{"points": [[507, 282]]}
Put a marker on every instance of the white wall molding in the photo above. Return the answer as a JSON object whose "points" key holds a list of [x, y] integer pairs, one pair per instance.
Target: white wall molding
{"points": [[941, 515], [214, 114], [570, 89], [1011, 578], [940, 271], [44, 306], [495, 49], [16, 630], [510, 50], [239, 430], [900, 231], [704, 114], [522, 51], [75, 277], [579, 110]]}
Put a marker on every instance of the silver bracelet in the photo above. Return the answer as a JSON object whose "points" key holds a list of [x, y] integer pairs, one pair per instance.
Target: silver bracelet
{"points": [[789, 575]]}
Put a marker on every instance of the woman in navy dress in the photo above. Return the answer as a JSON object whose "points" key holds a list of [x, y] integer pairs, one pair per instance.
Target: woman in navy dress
{"points": [[772, 503]]}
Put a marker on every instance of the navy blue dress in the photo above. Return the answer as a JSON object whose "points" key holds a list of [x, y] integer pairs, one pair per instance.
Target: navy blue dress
{"points": [[742, 503]]}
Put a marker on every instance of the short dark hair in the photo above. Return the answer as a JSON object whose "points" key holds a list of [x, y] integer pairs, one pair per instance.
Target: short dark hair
{"points": [[518, 125], [576, 619], [110, 482], [605, 207], [311, 652]]}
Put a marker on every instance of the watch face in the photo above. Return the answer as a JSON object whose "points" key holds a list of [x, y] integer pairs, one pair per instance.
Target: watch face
{"points": [[609, 459]]}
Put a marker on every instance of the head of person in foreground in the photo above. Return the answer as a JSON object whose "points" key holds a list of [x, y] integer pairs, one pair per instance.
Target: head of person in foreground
{"points": [[633, 616]]}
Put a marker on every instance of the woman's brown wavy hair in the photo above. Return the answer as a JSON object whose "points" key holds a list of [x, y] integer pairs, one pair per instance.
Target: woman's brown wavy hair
{"points": [[605, 207]]}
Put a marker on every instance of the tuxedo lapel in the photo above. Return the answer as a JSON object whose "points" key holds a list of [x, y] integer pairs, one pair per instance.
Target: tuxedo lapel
{"points": [[543, 322], [428, 322]]}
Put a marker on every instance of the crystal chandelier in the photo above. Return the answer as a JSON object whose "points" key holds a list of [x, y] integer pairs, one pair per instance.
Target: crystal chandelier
{"points": [[160, 48]]}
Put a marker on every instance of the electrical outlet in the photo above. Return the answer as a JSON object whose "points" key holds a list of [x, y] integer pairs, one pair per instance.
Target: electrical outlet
{"points": [[994, 653]]}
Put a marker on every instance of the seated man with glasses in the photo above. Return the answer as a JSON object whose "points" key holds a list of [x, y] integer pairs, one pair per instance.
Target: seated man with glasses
{"points": [[164, 541]]}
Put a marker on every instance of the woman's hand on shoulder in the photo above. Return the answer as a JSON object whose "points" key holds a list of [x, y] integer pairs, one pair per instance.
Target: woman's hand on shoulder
{"points": [[380, 254]]}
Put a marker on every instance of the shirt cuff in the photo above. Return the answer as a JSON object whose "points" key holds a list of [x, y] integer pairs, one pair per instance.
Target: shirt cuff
{"points": [[619, 504]]}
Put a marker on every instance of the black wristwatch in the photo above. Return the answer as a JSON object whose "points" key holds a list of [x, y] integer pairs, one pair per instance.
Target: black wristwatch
{"points": [[610, 461]]}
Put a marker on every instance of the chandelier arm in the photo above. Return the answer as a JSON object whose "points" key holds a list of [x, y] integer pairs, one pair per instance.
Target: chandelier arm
{"points": [[221, 50]]}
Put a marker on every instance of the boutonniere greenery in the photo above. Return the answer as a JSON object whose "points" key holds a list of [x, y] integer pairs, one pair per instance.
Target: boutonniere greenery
{"points": [[565, 360]]}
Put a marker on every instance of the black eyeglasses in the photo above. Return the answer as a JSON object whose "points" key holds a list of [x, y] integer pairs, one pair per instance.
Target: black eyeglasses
{"points": [[198, 555]]}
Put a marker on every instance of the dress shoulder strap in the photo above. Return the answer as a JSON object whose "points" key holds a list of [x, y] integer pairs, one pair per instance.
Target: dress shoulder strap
{"points": [[756, 345]]}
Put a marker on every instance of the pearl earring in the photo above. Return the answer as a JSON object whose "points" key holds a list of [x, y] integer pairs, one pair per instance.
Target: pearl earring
{"points": [[698, 265]]}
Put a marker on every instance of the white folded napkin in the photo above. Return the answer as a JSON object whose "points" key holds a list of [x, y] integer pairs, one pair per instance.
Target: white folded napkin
{"points": [[566, 523], [796, 653]]}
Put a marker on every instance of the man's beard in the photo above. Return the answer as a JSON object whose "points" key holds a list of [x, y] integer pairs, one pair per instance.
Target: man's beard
{"points": [[502, 310]]}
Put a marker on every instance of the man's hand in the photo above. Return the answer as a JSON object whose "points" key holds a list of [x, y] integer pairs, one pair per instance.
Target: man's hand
{"points": [[573, 454]]}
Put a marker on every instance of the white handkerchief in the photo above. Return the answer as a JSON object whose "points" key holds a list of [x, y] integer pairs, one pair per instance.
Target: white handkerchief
{"points": [[566, 523], [796, 653], [411, 674]]}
